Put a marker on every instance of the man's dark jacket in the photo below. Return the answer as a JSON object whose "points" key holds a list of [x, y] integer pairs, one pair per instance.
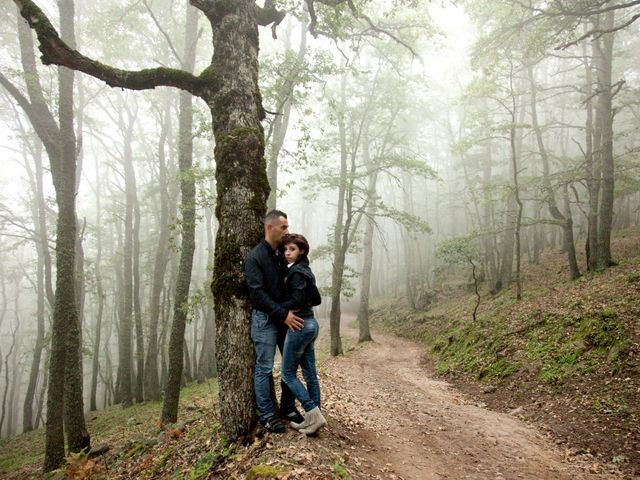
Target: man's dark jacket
{"points": [[265, 278]]}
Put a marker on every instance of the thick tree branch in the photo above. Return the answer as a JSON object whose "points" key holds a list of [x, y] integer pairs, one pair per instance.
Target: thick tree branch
{"points": [[55, 51], [269, 15]]}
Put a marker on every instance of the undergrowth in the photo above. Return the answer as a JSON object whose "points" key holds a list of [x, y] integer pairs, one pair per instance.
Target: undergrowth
{"points": [[560, 330]]}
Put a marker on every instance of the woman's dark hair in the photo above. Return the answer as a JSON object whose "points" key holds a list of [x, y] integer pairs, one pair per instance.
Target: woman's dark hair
{"points": [[298, 240]]}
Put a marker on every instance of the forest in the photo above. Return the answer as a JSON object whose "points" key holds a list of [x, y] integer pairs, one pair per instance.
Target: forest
{"points": [[467, 174]]}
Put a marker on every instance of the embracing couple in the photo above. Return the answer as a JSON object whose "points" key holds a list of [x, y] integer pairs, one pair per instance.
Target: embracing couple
{"points": [[282, 290]]}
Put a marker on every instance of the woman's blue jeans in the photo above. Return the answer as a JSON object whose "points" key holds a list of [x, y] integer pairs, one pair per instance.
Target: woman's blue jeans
{"points": [[299, 351]]}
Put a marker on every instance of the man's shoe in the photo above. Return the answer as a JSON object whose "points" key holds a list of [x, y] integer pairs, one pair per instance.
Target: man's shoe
{"points": [[294, 416], [315, 421], [273, 424]]}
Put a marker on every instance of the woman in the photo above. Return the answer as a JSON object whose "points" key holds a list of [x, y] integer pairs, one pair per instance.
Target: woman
{"points": [[301, 295]]}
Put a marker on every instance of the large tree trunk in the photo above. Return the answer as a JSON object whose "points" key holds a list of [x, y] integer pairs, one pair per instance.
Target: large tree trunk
{"points": [[188, 211], [243, 189]]}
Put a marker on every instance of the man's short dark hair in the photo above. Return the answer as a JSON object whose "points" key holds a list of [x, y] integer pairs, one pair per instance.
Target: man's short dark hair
{"points": [[273, 216]]}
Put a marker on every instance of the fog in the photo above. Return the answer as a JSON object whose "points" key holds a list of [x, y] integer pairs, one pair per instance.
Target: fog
{"points": [[393, 135]]}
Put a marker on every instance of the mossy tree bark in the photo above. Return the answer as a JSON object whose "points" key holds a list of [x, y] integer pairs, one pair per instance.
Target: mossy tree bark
{"points": [[242, 189], [66, 246]]}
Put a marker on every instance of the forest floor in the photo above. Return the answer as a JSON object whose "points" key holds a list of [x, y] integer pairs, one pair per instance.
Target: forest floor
{"points": [[565, 358], [389, 418]]}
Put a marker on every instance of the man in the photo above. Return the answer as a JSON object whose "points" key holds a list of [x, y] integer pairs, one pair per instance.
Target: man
{"points": [[270, 321]]}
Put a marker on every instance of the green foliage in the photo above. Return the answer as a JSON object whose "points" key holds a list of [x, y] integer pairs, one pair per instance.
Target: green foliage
{"points": [[573, 347], [203, 466], [601, 331], [499, 369], [162, 460], [412, 223], [458, 250], [191, 308], [110, 426], [406, 163], [610, 405], [634, 277], [341, 471], [264, 471]]}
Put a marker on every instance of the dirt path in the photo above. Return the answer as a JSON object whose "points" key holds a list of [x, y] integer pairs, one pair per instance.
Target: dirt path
{"points": [[404, 424]]}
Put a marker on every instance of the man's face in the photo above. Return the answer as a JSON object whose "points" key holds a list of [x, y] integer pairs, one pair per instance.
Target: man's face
{"points": [[277, 230]]}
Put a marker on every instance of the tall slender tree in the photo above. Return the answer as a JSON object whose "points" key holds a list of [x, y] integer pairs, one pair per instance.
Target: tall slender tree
{"points": [[64, 400], [188, 210]]}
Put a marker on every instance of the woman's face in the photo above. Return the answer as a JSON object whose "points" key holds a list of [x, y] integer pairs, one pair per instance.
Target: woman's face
{"points": [[292, 252]]}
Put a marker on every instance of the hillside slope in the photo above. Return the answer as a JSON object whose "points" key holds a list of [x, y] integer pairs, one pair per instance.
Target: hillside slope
{"points": [[566, 357]]}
